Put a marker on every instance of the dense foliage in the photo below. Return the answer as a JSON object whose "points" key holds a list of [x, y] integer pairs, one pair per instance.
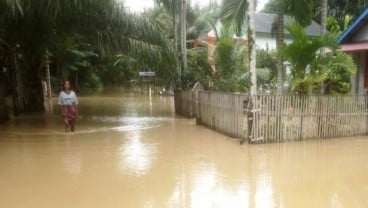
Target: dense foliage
{"points": [[310, 69], [341, 12], [77, 39], [232, 72], [97, 43]]}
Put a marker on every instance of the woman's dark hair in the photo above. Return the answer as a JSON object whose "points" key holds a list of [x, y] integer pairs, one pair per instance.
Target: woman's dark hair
{"points": [[64, 82]]}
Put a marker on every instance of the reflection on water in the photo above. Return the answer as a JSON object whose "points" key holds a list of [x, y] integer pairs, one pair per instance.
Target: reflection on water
{"points": [[209, 191], [137, 156], [72, 160], [130, 150], [264, 191]]}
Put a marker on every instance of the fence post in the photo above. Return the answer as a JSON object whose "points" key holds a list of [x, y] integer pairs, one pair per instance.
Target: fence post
{"points": [[248, 106], [177, 100], [198, 112], [319, 116]]}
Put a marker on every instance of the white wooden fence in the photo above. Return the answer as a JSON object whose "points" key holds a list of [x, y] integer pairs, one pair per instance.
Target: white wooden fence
{"points": [[290, 118], [223, 112], [265, 118], [184, 103]]}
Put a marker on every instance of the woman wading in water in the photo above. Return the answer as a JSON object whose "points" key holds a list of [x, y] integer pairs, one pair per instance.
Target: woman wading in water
{"points": [[69, 110]]}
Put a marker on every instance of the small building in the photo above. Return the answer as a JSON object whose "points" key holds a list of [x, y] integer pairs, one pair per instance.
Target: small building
{"points": [[354, 40], [264, 32]]}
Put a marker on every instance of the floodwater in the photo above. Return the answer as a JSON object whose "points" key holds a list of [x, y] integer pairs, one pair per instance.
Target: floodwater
{"points": [[132, 151]]}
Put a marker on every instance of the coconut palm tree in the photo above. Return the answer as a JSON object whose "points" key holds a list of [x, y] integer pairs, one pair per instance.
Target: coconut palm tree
{"points": [[233, 14], [183, 36], [302, 12], [177, 8], [29, 27]]}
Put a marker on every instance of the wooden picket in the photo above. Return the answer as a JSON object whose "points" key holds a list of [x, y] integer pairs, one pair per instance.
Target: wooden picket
{"points": [[184, 103], [223, 112], [278, 118], [291, 117]]}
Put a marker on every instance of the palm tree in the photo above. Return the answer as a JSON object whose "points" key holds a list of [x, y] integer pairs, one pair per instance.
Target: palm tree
{"points": [[191, 23], [309, 69], [175, 7], [28, 28], [183, 37], [233, 14], [302, 12]]}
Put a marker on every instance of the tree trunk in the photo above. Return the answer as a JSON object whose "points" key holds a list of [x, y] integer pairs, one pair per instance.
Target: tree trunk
{"points": [[323, 32], [279, 45], [33, 93], [48, 76], [19, 102], [280, 67], [175, 27], [252, 66], [183, 37], [324, 17], [251, 47], [4, 115]]}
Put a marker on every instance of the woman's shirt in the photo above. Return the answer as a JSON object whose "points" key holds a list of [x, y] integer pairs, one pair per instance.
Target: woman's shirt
{"points": [[68, 99]]}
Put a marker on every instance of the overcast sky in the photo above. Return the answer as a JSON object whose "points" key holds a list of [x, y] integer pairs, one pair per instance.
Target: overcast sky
{"points": [[140, 5]]}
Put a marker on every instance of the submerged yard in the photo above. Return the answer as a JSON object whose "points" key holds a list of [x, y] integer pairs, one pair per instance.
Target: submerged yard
{"points": [[133, 151]]}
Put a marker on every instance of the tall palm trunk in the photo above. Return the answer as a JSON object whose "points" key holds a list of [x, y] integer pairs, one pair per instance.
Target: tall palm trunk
{"points": [[175, 27], [324, 17], [19, 103], [323, 31], [252, 121], [251, 47], [48, 76], [183, 37], [280, 65], [279, 45]]}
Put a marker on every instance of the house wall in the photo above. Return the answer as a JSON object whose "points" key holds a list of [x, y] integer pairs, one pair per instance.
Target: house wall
{"points": [[360, 58], [362, 35]]}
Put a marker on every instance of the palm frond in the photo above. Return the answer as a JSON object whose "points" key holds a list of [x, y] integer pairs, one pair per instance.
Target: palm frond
{"points": [[301, 10], [233, 14]]}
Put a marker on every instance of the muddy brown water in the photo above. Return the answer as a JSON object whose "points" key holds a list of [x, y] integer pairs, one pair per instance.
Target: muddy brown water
{"points": [[132, 151]]}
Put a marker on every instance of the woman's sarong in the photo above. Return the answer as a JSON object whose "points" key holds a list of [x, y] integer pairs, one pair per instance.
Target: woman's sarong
{"points": [[69, 112]]}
